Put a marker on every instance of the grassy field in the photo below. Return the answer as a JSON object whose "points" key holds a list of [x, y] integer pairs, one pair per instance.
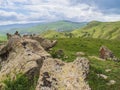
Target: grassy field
{"points": [[91, 47]]}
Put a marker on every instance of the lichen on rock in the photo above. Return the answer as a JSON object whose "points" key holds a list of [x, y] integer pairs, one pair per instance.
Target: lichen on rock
{"points": [[21, 55], [58, 75]]}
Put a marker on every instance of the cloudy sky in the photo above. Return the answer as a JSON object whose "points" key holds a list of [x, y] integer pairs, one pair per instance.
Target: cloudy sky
{"points": [[27, 11]]}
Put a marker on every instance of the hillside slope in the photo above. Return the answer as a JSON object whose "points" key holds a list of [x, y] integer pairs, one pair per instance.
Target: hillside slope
{"points": [[53, 34], [103, 30], [59, 26]]}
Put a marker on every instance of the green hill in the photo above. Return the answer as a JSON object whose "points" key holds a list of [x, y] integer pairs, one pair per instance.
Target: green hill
{"points": [[53, 34], [103, 30]]}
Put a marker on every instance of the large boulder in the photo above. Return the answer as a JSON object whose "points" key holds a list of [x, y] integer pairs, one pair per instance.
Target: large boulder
{"points": [[21, 55], [58, 75]]}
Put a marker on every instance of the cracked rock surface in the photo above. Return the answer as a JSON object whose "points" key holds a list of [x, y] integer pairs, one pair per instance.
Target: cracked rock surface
{"points": [[58, 75]]}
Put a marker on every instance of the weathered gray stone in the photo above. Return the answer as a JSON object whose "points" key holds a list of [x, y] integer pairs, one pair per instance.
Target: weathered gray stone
{"points": [[21, 55], [45, 43], [58, 75]]}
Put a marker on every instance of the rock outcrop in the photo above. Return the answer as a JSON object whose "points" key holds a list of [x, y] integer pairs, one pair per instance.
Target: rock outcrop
{"points": [[28, 55], [58, 75], [21, 55]]}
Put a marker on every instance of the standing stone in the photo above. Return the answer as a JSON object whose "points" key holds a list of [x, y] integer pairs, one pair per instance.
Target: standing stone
{"points": [[105, 53]]}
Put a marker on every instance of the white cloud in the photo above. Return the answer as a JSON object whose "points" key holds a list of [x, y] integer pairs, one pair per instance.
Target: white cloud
{"points": [[9, 15], [20, 22], [51, 10]]}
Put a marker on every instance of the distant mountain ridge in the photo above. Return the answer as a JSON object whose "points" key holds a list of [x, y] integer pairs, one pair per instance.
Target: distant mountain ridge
{"points": [[59, 26]]}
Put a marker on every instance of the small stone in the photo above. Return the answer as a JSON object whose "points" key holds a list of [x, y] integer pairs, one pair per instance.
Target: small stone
{"points": [[108, 70], [102, 76], [111, 82], [78, 54]]}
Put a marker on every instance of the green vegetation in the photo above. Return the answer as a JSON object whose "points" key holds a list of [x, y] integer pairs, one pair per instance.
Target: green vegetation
{"points": [[55, 34], [99, 67], [91, 47], [103, 30], [88, 45], [3, 37], [94, 29], [21, 83]]}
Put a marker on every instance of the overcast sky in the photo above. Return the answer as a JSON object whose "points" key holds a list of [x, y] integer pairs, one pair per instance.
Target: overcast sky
{"points": [[27, 11]]}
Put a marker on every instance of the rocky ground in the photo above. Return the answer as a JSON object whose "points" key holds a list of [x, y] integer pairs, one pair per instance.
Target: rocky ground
{"points": [[28, 55]]}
